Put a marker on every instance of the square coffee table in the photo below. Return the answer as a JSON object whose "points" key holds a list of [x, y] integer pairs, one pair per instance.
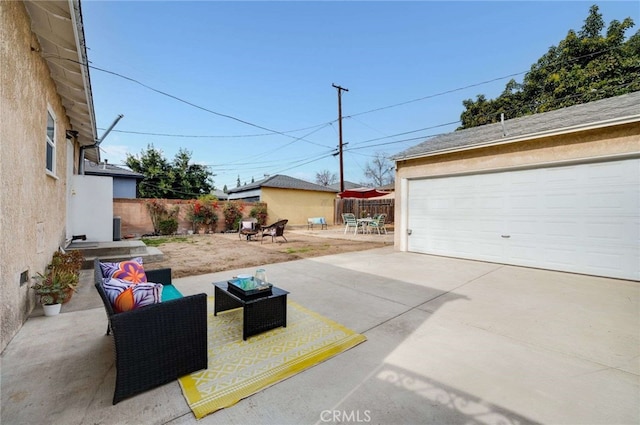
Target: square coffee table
{"points": [[260, 312]]}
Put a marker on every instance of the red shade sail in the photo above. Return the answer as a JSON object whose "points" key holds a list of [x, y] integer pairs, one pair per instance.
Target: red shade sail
{"points": [[362, 192]]}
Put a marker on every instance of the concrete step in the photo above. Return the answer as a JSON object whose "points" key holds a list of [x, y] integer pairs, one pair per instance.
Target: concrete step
{"points": [[116, 251], [99, 249]]}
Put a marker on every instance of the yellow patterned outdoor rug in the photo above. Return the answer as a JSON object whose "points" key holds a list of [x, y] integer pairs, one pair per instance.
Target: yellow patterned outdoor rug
{"points": [[238, 369]]}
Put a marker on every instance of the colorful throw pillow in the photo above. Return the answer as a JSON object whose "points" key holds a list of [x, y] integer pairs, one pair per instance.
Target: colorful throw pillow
{"points": [[131, 270], [127, 296]]}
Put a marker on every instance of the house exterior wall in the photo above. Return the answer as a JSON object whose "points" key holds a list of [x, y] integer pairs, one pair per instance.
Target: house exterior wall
{"points": [[621, 140], [297, 205], [32, 203], [91, 207], [124, 188]]}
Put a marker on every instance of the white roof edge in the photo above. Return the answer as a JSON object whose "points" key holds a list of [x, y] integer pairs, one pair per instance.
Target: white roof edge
{"points": [[532, 136], [78, 30]]}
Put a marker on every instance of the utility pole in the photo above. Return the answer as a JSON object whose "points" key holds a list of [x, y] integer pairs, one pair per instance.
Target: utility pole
{"points": [[340, 90]]}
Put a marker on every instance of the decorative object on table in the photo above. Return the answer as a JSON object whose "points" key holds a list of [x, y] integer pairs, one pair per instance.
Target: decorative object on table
{"points": [[263, 360], [243, 281], [60, 280], [261, 276], [247, 286]]}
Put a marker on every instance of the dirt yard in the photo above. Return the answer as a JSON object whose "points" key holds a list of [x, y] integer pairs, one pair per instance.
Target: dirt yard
{"points": [[200, 254]]}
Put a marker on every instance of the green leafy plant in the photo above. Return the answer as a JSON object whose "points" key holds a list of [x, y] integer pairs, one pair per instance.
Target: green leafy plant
{"points": [[232, 213], [203, 212], [159, 212], [259, 212], [59, 282], [55, 287], [168, 226]]}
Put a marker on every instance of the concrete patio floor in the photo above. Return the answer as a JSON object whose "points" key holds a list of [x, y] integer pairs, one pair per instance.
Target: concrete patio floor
{"points": [[449, 342]]}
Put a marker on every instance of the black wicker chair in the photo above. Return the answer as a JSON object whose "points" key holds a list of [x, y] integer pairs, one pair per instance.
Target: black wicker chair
{"points": [[274, 230], [156, 344]]}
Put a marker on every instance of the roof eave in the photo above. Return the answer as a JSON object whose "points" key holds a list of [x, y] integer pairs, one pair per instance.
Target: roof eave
{"points": [[58, 26], [527, 137]]}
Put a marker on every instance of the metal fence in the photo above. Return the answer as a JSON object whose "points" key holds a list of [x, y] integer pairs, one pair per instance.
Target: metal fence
{"points": [[364, 208]]}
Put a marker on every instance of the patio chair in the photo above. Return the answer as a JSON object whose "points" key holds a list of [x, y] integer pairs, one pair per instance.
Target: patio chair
{"points": [[350, 220], [157, 343], [248, 227], [274, 230], [378, 223]]}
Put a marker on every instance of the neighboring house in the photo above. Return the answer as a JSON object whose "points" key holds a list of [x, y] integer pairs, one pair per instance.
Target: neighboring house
{"points": [[558, 190], [220, 195], [347, 185], [47, 116], [288, 197], [125, 182]]}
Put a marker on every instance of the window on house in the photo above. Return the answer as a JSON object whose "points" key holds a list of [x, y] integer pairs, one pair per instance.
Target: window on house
{"points": [[51, 143]]}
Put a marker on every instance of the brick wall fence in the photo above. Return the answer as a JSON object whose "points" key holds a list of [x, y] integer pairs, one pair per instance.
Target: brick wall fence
{"points": [[136, 221]]}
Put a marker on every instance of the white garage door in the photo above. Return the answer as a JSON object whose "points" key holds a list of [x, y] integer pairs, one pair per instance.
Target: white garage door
{"points": [[581, 218]]}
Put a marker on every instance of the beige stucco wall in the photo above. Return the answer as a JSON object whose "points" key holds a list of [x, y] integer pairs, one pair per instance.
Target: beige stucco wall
{"points": [[603, 143], [135, 219], [297, 205], [32, 203]]}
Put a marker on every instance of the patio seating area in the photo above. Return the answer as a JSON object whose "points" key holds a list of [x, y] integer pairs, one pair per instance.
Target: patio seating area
{"points": [[178, 346], [448, 341]]}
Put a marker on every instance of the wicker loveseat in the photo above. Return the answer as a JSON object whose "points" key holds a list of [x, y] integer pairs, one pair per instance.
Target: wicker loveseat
{"points": [[158, 343]]}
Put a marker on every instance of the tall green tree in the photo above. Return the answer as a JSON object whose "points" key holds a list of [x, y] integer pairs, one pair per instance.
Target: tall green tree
{"points": [[190, 180], [179, 179], [585, 66], [156, 171]]}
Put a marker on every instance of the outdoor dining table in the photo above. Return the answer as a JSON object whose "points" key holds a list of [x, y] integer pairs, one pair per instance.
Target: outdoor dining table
{"points": [[364, 222]]}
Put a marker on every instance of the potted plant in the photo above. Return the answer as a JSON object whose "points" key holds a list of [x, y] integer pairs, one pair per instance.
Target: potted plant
{"points": [[56, 286]]}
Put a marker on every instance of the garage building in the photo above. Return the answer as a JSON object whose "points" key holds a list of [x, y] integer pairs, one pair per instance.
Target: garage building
{"points": [[558, 190]]}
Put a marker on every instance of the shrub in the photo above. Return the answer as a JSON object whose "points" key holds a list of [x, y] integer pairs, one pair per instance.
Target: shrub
{"points": [[168, 226], [232, 212], [203, 212], [159, 212], [259, 212]]}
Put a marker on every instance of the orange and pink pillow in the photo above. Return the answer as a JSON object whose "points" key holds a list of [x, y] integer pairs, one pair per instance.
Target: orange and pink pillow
{"points": [[131, 271], [127, 296]]}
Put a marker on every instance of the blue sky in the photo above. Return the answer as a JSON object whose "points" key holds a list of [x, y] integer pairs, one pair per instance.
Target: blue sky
{"points": [[246, 87]]}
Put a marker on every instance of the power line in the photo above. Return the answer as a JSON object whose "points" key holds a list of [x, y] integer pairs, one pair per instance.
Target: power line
{"points": [[559, 62], [285, 133], [231, 117], [194, 136]]}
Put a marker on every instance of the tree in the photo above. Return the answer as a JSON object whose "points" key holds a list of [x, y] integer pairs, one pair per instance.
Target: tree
{"points": [[190, 180], [380, 171], [179, 179], [238, 181], [156, 170], [584, 67], [326, 178], [224, 189]]}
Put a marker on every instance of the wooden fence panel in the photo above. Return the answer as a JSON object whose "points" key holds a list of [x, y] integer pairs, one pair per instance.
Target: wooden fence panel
{"points": [[364, 208]]}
